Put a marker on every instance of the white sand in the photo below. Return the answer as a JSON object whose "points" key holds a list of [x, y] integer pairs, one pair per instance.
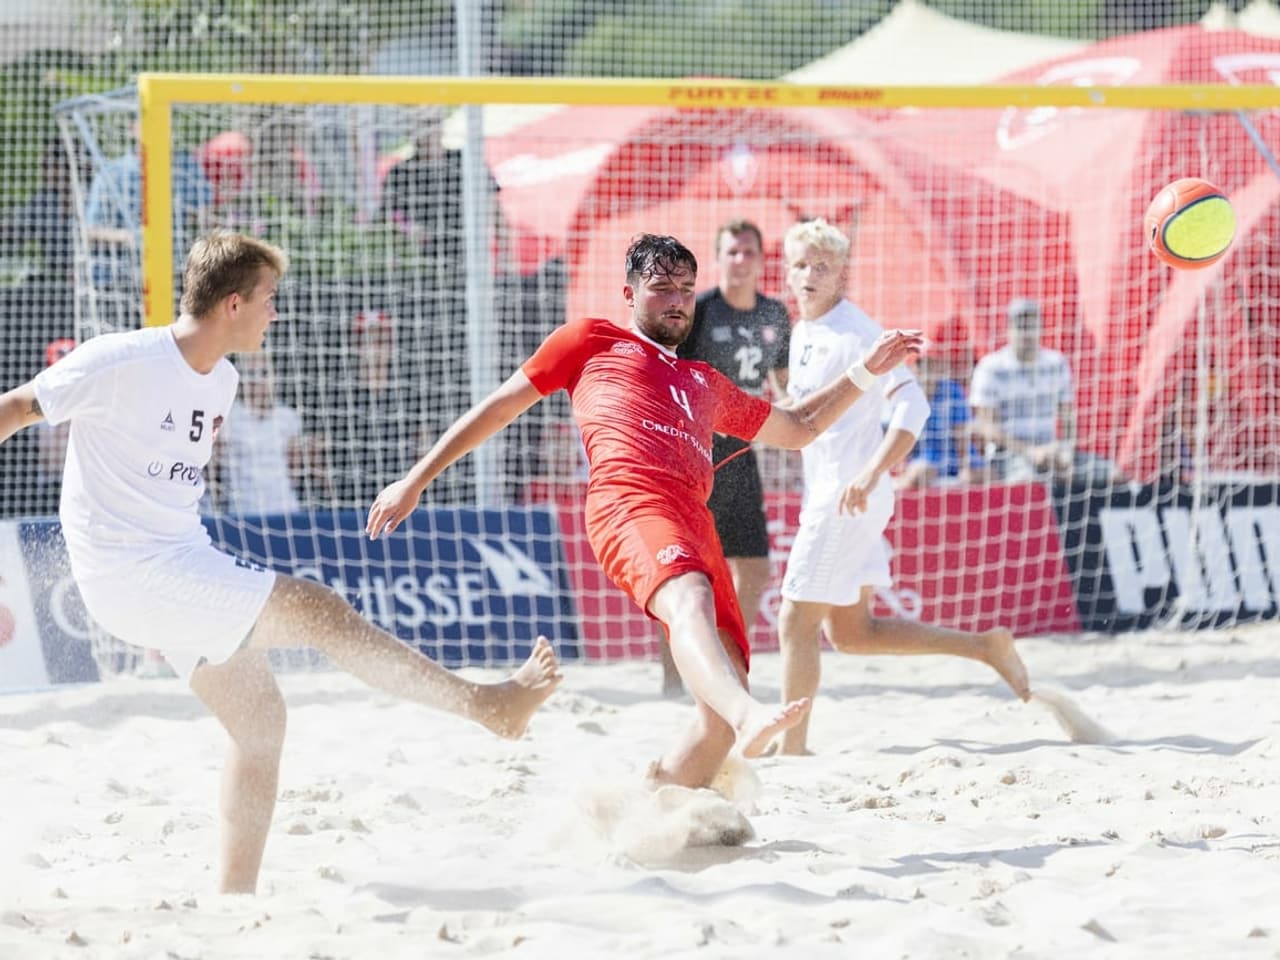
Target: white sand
{"points": [[941, 818]]}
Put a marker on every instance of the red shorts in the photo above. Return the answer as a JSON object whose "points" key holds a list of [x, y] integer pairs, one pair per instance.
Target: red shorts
{"points": [[642, 545]]}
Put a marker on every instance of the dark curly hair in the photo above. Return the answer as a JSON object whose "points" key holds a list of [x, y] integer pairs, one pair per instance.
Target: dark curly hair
{"points": [[652, 255]]}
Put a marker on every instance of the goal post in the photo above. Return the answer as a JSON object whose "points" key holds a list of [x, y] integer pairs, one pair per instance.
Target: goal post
{"points": [[958, 201]]}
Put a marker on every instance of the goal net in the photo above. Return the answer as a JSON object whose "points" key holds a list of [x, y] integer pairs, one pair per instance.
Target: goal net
{"points": [[438, 229]]}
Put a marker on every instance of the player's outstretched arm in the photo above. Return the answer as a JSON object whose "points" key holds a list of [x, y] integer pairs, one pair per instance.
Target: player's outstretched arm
{"points": [[470, 430], [18, 408], [795, 426]]}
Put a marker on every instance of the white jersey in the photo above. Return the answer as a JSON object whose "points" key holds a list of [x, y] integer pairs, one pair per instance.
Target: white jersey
{"points": [[142, 429], [822, 350], [1025, 396], [257, 454]]}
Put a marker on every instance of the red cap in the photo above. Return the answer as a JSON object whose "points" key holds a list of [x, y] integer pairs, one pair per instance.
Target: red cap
{"points": [[372, 320], [55, 350], [950, 343]]}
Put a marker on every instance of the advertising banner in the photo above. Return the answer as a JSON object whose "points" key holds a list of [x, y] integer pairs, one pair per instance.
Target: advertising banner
{"points": [[21, 659], [970, 558], [462, 585], [1152, 555]]}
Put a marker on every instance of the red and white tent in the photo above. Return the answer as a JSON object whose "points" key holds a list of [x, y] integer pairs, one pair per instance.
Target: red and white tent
{"points": [[580, 183], [1052, 201]]}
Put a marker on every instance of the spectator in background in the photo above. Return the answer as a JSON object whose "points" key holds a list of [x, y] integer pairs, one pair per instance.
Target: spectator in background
{"points": [[37, 305], [266, 456], [45, 221], [744, 335], [1024, 407], [944, 452], [380, 417], [245, 174], [113, 213], [422, 194]]}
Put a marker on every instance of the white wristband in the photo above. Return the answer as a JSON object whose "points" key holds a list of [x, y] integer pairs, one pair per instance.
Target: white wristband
{"points": [[861, 377]]}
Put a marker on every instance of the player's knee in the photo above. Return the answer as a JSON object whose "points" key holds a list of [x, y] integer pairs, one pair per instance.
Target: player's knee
{"points": [[684, 598], [315, 612], [310, 593], [795, 629], [850, 641], [855, 637]]}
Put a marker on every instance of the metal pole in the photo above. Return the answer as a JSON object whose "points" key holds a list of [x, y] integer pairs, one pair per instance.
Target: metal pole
{"points": [[481, 319], [1204, 385]]}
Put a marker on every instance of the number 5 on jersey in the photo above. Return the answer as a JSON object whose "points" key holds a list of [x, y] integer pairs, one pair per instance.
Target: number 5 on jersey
{"points": [[681, 400]]}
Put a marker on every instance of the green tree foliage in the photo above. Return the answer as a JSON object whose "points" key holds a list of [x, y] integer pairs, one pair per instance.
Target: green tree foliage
{"points": [[1080, 19], [32, 85], [750, 39], [259, 36]]}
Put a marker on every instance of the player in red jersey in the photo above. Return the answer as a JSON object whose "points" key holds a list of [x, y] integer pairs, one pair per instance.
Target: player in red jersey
{"points": [[647, 418]]}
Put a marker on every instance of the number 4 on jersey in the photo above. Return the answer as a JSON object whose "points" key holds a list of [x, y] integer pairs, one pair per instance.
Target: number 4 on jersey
{"points": [[681, 400]]}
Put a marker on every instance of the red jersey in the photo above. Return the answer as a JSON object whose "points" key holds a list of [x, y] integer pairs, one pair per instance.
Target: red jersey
{"points": [[646, 416]]}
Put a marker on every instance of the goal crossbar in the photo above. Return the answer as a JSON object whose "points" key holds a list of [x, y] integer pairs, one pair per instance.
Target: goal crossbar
{"points": [[158, 92]]}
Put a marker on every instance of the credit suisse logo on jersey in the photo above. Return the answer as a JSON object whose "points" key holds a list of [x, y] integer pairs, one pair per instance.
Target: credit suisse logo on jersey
{"points": [[667, 430]]}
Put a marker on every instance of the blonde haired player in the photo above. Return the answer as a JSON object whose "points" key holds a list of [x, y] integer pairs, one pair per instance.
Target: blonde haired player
{"points": [[838, 558], [144, 406]]}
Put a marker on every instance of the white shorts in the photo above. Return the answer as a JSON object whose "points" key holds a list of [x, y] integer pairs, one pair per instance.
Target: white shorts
{"points": [[194, 605], [835, 555]]}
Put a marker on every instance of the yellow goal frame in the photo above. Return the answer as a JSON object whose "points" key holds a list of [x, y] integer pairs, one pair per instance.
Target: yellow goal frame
{"points": [[157, 92]]}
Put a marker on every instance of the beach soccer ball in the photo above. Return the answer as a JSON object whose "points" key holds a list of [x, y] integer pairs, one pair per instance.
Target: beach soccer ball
{"points": [[1190, 224]]}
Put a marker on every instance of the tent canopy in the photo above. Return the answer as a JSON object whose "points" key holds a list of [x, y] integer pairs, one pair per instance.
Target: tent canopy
{"points": [[685, 172], [915, 45]]}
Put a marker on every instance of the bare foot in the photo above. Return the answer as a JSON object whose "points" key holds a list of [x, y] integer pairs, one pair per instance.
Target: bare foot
{"points": [[1000, 654], [767, 722], [786, 750], [506, 707]]}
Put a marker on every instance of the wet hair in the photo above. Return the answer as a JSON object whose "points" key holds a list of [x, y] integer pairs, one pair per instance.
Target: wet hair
{"points": [[224, 263], [735, 228], [820, 235], [651, 255]]}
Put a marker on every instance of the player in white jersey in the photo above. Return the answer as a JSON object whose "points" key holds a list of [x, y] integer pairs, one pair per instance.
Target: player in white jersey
{"points": [[839, 557], [144, 408]]}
